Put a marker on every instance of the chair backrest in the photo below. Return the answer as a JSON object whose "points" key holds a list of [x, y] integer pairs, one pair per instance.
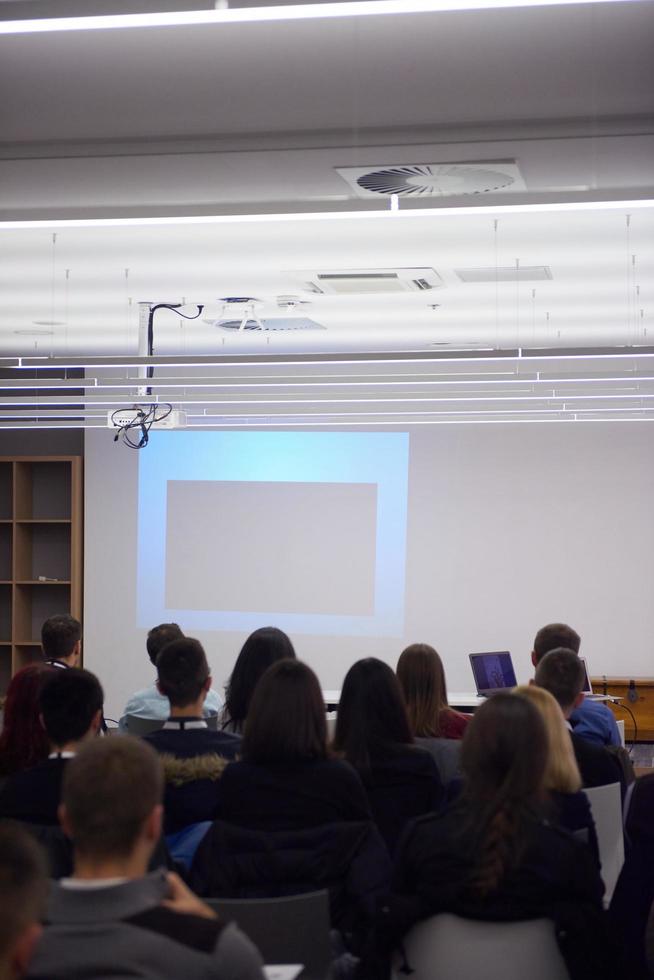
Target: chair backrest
{"points": [[142, 726], [183, 844], [606, 807], [292, 929], [463, 949]]}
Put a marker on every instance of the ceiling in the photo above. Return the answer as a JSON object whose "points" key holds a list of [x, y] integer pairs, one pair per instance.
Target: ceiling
{"points": [[246, 119]]}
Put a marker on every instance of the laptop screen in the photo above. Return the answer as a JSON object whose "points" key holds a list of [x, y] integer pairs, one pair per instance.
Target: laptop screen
{"points": [[492, 671], [588, 687]]}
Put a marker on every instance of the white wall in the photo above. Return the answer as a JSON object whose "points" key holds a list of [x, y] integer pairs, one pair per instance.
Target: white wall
{"points": [[510, 527]]}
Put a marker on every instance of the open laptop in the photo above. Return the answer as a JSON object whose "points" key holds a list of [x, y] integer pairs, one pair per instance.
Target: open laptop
{"points": [[588, 687], [492, 672]]}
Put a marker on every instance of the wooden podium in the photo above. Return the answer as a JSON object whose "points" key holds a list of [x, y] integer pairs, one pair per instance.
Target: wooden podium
{"points": [[642, 708]]}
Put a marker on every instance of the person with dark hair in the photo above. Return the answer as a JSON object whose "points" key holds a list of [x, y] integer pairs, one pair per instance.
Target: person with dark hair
{"points": [[23, 741], [373, 734], [434, 725], [61, 640], [491, 855], [422, 679], [590, 719], [23, 890], [561, 672], [150, 702], [112, 917], [262, 648], [286, 779], [70, 706], [193, 757]]}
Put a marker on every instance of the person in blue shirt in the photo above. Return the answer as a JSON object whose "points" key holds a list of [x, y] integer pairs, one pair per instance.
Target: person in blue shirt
{"points": [[149, 702], [591, 720]]}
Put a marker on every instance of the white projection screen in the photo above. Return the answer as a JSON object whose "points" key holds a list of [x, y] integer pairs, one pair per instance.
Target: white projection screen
{"points": [[358, 543]]}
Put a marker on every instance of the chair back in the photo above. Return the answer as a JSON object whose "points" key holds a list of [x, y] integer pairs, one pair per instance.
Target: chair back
{"points": [[606, 807], [142, 726], [465, 949], [291, 929]]}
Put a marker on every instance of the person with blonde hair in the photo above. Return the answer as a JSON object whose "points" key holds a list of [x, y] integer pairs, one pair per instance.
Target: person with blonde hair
{"points": [[570, 806]]}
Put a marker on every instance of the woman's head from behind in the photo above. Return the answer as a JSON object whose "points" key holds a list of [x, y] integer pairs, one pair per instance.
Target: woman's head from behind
{"points": [[261, 649], [287, 720], [561, 771], [504, 757], [23, 741], [371, 713], [504, 752], [422, 679]]}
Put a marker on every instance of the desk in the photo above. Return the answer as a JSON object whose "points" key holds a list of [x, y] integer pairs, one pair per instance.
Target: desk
{"points": [[642, 708], [465, 701]]}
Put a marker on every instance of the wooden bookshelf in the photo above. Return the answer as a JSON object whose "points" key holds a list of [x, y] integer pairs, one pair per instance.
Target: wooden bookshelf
{"points": [[40, 552]]}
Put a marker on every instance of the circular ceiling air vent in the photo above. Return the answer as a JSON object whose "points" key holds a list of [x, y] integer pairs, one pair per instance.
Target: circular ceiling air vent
{"points": [[429, 181]]}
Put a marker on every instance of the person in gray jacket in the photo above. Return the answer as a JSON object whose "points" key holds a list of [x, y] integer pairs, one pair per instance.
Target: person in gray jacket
{"points": [[111, 918]]}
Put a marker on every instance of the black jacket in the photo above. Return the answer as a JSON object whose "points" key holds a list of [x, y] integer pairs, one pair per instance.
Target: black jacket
{"points": [[598, 767], [33, 795], [555, 877], [193, 762], [349, 859]]}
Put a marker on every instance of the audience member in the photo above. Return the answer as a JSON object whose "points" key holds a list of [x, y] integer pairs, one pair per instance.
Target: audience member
{"points": [[261, 649], [111, 917], [193, 757], [434, 725], [286, 779], [23, 741], [570, 806], [562, 674], [23, 889], [373, 735], [61, 641], [591, 720], [150, 702], [422, 679], [492, 855], [71, 709]]}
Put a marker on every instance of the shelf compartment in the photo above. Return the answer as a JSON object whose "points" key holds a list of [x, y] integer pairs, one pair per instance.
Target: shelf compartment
{"points": [[42, 490], [42, 549], [33, 604], [5, 551], [5, 667], [6, 491], [5, 613], [26, 654]]}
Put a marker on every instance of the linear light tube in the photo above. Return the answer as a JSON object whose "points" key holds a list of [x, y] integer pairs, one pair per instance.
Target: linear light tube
{"points": [[309, 11], [299, 216], [157, 384]]}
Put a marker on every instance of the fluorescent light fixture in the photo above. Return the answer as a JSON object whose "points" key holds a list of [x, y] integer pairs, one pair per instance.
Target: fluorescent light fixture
{"points": [[412, 214], [254, 15]]}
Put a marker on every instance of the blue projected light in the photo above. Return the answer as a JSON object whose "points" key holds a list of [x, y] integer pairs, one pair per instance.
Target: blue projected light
{"points": [[376, 458]]}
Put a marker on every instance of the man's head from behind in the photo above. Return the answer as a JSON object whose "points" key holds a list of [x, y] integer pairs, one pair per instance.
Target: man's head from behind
{"points": [[23, 888], [71, 706], [159, 636], [183, 674], [552, 637], [111, 800], [561, 672], [61, 639]]}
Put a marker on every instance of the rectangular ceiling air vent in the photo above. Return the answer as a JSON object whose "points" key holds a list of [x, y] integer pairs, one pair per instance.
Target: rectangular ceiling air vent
{"points": [[509, 273], [359, 281]]}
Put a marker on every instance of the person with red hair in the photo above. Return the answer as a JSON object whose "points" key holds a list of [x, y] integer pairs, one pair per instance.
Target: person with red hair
{"points": [[23, 741]]}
